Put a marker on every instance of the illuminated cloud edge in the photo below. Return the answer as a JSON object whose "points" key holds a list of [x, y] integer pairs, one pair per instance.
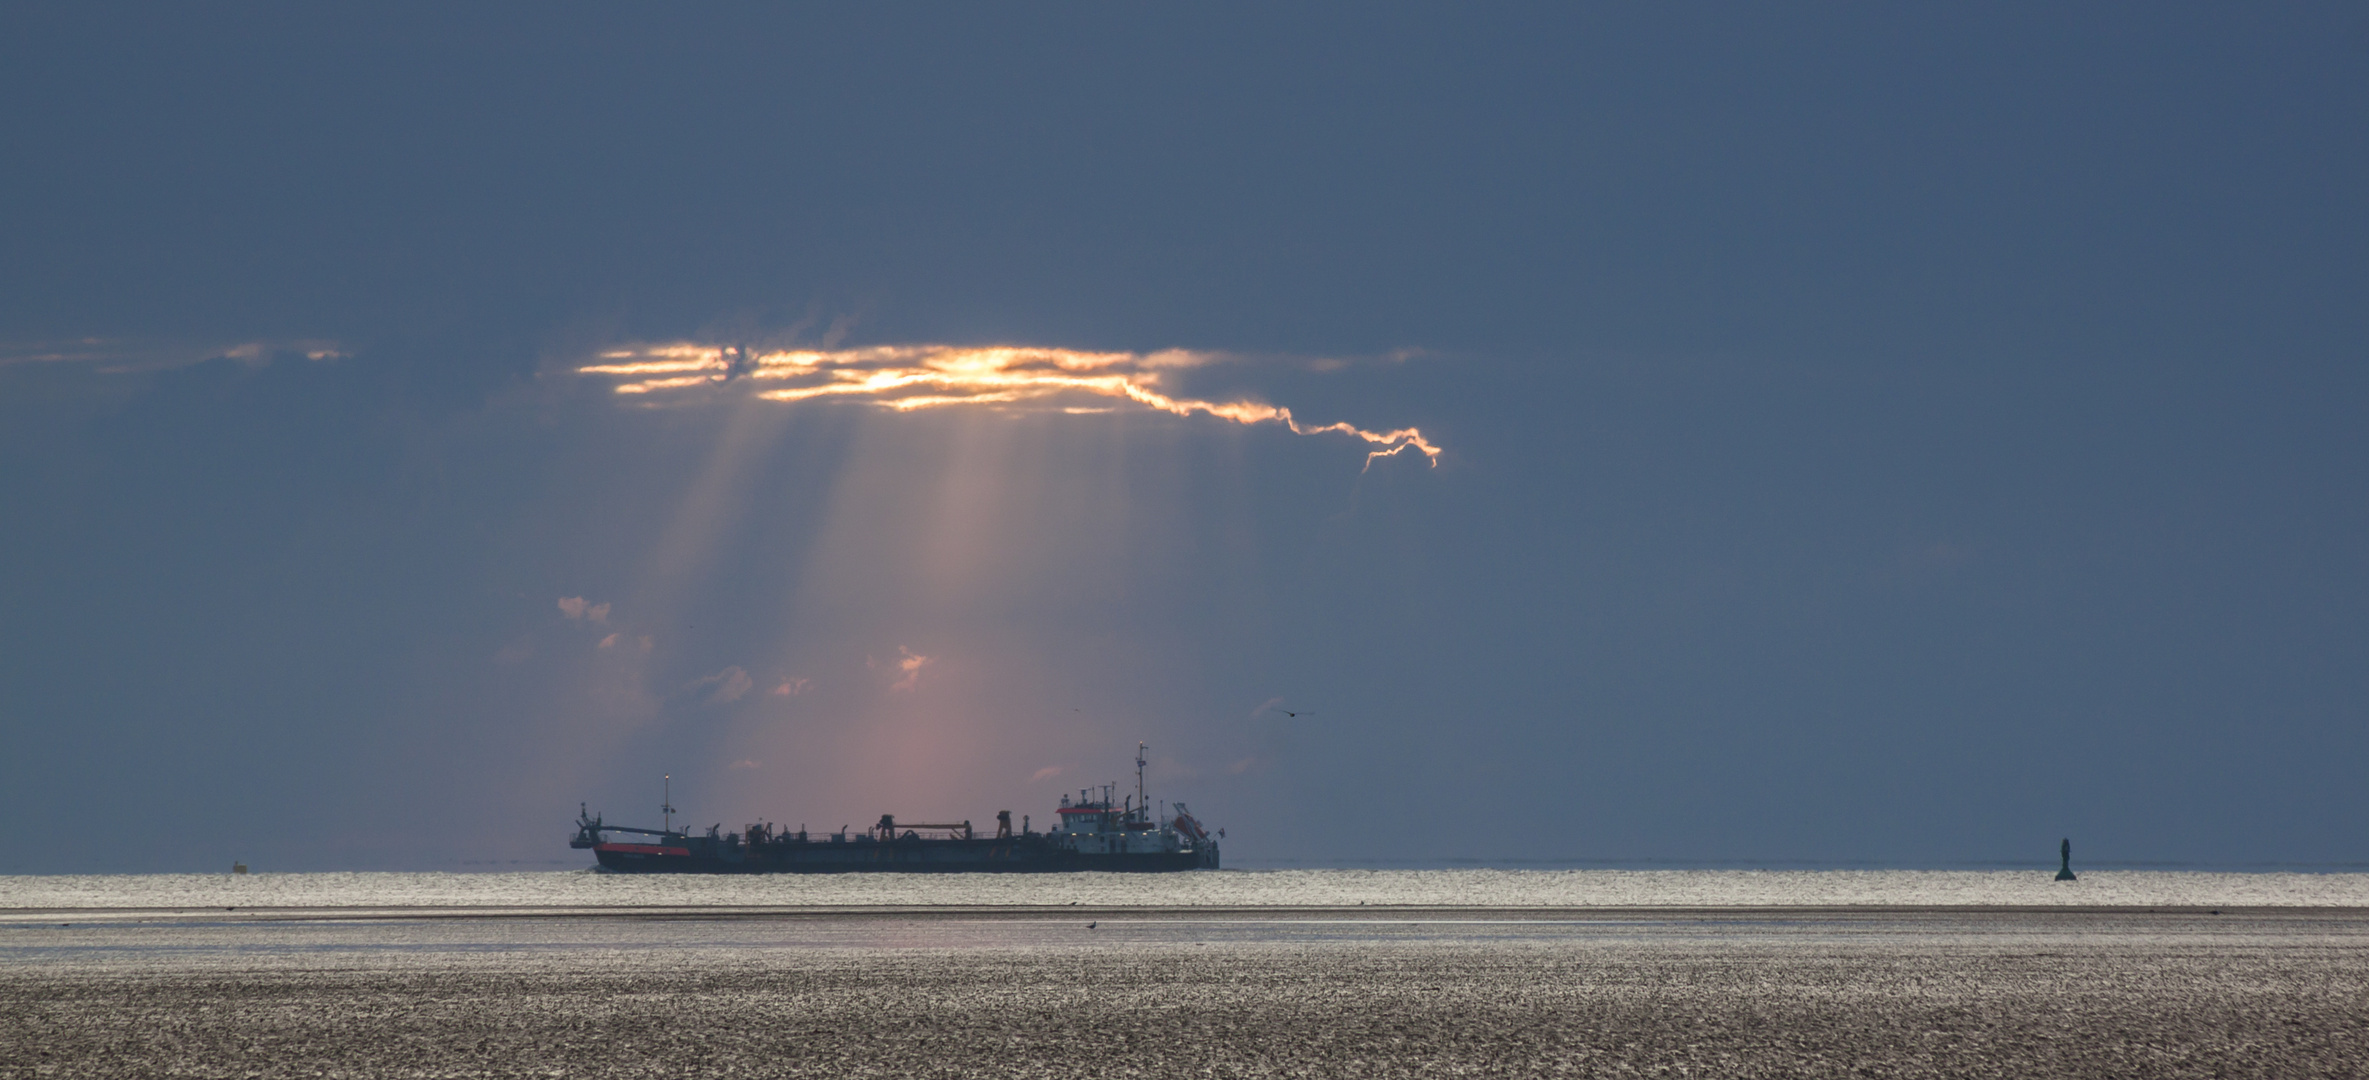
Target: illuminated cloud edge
{"points": [[912, 377]]}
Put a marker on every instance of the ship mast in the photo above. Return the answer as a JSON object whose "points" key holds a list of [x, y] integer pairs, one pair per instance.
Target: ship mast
{"points": [[1140, 802], [666, 802]]}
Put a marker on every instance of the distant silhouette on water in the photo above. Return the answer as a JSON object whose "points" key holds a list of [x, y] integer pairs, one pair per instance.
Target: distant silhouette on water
{"points": [[2064, 870]]}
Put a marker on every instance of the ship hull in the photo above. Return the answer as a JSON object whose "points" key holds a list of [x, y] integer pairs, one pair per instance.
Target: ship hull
{"points": [[896, 857]]}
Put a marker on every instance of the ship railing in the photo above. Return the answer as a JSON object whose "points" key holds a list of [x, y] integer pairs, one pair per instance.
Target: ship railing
{"points": [[960, 830]]}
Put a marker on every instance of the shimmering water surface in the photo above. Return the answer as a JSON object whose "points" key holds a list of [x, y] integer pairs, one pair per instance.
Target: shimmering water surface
{"points": [[2027, 993], [1297, 973], [1278, 888]]}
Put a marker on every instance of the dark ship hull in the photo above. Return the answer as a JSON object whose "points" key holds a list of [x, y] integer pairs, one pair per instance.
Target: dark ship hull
{"points": [[863, 855]]}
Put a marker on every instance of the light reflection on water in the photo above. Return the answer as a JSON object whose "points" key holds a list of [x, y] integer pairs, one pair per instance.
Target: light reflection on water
{"points": [[624, 942], [1277, 888]]}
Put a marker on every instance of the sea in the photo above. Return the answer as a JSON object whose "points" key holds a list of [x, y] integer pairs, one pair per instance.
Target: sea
{"points": [[28, 896], [1293, 972]]}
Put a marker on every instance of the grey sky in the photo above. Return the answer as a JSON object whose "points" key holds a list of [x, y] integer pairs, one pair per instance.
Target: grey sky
{"points": [[1868, 433]]}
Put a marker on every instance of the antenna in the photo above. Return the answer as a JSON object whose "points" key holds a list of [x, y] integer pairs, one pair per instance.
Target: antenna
{"points": [[666, 802]]}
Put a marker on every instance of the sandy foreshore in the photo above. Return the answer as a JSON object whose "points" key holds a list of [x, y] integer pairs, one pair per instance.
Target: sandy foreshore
{"points": [[1351, 993]]}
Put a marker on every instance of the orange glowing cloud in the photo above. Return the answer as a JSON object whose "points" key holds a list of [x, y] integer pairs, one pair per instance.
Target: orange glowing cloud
{"points": [[911, 663], [912, 377]]}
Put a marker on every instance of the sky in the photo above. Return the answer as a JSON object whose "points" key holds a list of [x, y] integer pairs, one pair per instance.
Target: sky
{"points": [[1802, 435]]}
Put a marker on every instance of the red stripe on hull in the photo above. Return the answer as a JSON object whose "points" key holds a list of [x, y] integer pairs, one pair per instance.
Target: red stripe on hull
{"points": [[642, 849]]}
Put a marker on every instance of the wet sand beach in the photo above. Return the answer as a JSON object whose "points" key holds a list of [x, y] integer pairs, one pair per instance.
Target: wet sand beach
{"points": [[1186, 992]]}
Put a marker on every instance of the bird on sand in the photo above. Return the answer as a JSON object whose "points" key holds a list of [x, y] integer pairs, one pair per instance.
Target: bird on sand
{"points": [[1089, 926]]}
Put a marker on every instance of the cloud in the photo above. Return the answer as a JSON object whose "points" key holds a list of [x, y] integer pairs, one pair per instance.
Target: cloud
{"points": [[609, 642], [746, 763], [575, 607], [123, 355], [792, 687], [911, 663], [906, 378], [722, 688], [1264, 706], [1046, 773]]}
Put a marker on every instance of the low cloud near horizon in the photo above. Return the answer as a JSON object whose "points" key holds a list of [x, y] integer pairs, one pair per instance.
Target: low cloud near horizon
{"points": [[575, 607], [722, 688]]}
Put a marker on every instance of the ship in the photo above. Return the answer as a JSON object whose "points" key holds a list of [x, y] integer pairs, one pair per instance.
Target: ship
{"points": [[1102, 829]]}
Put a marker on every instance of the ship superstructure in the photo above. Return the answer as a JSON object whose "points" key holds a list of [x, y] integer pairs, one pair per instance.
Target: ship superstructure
{"points": [[1101, 829]]}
